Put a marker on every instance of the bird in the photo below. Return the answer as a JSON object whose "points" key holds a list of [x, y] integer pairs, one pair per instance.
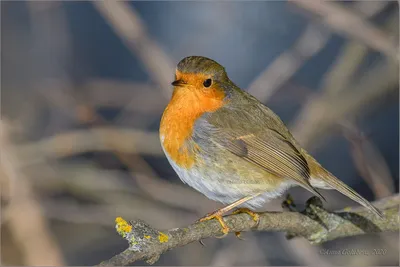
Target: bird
{"points": [[226, 144]]}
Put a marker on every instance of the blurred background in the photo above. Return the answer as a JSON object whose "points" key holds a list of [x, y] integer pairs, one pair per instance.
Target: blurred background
{"points": [[84, 85]]}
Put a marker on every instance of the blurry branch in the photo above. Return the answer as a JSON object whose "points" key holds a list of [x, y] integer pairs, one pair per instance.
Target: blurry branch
{"points": [[50, 35], [51, 53], [344, 67], [113, 193], [132, 206], [369, 8], [127, 24], [315, 224], [81, 141], [286, 65], [345, 21], [117, 94], [57, 95], [160, 190], [378, 81], [143, 142], [125, 96], [121, 143], [93, 183], [125, 21], [137, 165], [130, 28], [25, 216], [165, 191], [324, 111], [369, 162], [80, 179]]}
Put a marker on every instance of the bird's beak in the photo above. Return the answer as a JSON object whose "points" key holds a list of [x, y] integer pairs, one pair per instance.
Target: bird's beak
{"points": [[178, 83]]}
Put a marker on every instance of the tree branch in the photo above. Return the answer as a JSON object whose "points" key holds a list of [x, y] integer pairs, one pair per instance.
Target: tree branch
{"points": [[127, 24], [315, 224], [350, 24]]}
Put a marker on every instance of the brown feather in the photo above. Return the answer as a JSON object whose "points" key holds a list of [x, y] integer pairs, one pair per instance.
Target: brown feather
{"points": [[265, 148]]}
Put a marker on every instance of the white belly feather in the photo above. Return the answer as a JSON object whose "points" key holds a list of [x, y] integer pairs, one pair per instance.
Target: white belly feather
{"points": [[223, 193]]}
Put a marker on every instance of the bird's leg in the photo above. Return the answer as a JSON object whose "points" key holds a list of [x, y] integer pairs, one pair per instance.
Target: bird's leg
{"points": [[218, 214], [253, 214]]}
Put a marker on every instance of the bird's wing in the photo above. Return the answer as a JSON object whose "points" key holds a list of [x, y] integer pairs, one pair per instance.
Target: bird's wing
{"points": [[261, 145]]}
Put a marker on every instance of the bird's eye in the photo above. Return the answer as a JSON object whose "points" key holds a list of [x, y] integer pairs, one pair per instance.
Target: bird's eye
{"points": [[207, 83]]}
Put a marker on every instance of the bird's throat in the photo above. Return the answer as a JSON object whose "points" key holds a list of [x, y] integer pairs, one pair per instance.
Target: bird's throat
{"points": [[176, 127]]}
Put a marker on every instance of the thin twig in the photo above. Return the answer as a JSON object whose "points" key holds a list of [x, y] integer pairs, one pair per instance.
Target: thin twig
{"points": [[117, 94], [286, 65], [369, 162], [323, 112], [311, 42], [81, 141], [128, 25], [345, 21], [344, 67], [27, 223]]}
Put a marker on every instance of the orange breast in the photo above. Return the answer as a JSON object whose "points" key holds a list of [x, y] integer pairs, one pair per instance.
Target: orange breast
{"points": [[186, 106]]}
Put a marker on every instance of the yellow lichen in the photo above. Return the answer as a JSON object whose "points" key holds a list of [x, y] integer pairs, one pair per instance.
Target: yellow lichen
{"points": [[122, 226], [347, 209], [147, 236], [162, 237]]}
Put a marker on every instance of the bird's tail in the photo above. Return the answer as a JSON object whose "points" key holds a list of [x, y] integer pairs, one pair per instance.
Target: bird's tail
{"points": [[321, 178]]}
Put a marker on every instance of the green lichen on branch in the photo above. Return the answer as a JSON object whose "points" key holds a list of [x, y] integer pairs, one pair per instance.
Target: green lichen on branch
{"points": [[314, 223]]}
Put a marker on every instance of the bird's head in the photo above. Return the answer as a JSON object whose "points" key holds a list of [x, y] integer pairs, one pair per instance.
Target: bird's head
{"points": [[201, 78]]}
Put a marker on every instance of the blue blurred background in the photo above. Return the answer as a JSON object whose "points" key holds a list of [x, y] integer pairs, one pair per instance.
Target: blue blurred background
{"points": [[84, 85]]}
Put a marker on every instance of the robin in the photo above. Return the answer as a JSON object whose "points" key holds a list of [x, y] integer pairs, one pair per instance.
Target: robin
{"points": [[230, 147]]}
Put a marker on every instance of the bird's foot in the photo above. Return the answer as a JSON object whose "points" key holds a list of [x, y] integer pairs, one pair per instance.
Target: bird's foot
{"points": [[218, 216], [253, 214]]}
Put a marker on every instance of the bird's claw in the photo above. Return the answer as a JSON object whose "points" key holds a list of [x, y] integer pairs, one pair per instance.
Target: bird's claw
{"points": [[253, 214], [239, 235], [216, 215], [202, 243]]}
